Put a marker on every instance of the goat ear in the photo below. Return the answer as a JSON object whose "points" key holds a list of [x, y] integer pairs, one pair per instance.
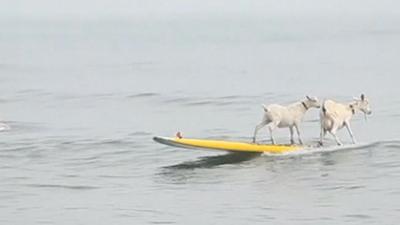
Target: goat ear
{"points": [[308, 97], [362, 97]]}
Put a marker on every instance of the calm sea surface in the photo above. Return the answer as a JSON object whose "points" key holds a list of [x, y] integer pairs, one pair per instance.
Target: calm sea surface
{"points": [[84, 99]]}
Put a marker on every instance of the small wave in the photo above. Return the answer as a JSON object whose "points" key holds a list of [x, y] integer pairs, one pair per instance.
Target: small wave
{"points": [[33, 92], [4, 100], [80, 97], [200, 103], [61, 186], [177, 100], [144, 95], [162, 222], [118, 152], [215, 102], [4, 127], [231, 97], [90, 143], [358, 216], [211, 101], [394, 115], [20, 126], [393, 144], [140, 133]]}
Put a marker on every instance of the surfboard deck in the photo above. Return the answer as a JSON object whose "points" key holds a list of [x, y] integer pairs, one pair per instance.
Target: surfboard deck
{"points": [[233, 146]]}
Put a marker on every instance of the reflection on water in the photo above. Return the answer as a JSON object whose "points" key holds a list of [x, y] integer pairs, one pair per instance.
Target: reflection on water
{"points": [[182, 173], [213, 161]]}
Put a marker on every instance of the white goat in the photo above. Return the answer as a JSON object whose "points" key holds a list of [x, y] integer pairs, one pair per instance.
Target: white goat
{"points": [[286, 116], [334, 116]]}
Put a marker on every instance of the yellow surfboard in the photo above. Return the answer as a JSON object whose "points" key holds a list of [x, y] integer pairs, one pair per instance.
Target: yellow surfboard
{"points": [[234, 146]]}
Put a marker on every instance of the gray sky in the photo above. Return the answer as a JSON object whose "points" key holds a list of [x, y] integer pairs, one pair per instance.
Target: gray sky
{"points": [[159, 8]]}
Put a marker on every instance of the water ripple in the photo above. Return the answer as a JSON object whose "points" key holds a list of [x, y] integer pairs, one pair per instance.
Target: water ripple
{"points": [[144, 95], [63, 186]]}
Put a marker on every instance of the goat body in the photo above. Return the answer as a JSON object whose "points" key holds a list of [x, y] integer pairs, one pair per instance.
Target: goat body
{"points": [[285, 116]]}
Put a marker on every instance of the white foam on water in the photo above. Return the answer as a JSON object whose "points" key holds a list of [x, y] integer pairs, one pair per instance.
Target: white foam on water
{"points": [[4, 127], [317, 149]]}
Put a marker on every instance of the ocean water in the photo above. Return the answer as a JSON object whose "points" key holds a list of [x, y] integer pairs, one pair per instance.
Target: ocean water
{"points": [[83, 100]]}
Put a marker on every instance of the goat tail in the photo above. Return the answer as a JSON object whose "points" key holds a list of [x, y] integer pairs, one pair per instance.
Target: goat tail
{"points": [[265, 108], [323, 108]]}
